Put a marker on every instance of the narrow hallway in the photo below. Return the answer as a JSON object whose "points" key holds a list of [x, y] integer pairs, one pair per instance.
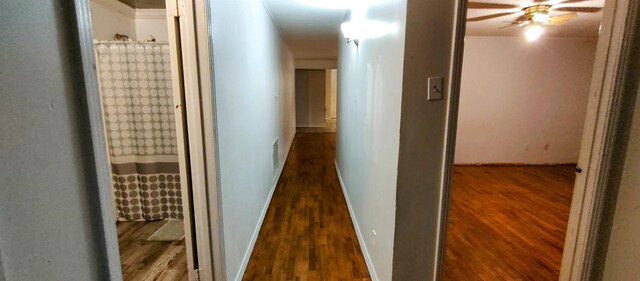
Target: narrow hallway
{"points": [[307, 233]]}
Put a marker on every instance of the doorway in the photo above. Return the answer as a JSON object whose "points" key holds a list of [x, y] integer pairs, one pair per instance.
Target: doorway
{"points": [[523, 105], [316, 100], [136, 71]]}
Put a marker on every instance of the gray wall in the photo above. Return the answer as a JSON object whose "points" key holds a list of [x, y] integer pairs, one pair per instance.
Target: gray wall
{"points": [[47, 228], [428, 53], [623, 253], [251, 66]]}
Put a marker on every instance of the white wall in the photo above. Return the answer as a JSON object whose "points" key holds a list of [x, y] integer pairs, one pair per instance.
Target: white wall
{"points": [[251, 63], [155, 26], [310, 98], [369, 96], [108, 20], [622, 257], [111, 16], [523, 102], [48, 231]]}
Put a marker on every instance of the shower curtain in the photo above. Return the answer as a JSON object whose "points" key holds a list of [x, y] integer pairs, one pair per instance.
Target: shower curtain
{"points": [[137, 98]]}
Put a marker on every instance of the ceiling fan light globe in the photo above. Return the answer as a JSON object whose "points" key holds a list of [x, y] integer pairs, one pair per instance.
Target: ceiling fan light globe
{"points": [[533, 32], [540, 18]]}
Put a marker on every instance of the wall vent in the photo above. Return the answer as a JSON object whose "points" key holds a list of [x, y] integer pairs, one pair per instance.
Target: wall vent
{"points": [[275, 158]]}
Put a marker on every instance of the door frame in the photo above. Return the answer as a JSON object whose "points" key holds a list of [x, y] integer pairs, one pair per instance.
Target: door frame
{"points": [[596, 152], [199, 140]]}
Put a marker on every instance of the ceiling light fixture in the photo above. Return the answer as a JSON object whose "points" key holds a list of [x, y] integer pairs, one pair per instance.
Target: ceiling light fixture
{"points": [[533, 32]]}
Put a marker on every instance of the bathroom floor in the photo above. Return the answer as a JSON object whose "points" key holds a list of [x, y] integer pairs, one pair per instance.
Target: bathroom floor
{"points": [[152, 250]]}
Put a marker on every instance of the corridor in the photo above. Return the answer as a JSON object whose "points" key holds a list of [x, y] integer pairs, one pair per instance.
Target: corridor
{"points": [[307, 233]]}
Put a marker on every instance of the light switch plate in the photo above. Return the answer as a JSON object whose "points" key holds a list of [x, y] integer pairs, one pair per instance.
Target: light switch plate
{"points": [[435, 88]]}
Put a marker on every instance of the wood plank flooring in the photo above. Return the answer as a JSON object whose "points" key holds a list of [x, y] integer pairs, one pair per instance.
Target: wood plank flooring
{"points": [[508, 222], [144, 260], [307, 233]]}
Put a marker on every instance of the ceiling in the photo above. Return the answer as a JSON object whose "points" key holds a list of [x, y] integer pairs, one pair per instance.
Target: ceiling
{"points": [[584, 25], [308, 19], [321, 19], [145, 4]]}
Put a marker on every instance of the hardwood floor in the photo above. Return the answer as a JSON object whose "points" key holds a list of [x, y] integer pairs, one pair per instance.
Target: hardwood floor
{"points": [[307, 232], [508, 222], [144, 260]]}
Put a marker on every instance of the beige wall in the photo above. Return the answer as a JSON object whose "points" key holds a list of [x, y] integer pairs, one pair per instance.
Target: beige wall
{"points": [[108, 21], [331, 91], [111, 16], [310, 98], [523, 102]]}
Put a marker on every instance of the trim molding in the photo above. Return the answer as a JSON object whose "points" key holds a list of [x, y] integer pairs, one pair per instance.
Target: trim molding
{"points": [[363, 247], [107, 249], [151, 14], [514, 164], [256, 231], [136, 14], [316, 64]]}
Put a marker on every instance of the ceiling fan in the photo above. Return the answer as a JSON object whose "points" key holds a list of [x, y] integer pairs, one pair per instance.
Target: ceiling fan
{"points": [[535, 15]]}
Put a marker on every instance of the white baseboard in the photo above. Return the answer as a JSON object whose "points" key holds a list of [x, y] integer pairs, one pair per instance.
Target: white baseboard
{"points": [[256, 231], [363, 247]]}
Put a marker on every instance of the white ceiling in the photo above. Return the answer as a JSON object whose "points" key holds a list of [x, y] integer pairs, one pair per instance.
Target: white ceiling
{"points": [[321, 19], [584, 25], [308, 19]]}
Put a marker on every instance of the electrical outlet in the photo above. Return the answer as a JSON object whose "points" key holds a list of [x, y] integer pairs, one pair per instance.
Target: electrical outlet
{"points": [[277, 94]]}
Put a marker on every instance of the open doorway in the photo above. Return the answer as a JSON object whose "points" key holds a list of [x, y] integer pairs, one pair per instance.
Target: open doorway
{"points": [[137, 90], [523, 101], [316, 100]]}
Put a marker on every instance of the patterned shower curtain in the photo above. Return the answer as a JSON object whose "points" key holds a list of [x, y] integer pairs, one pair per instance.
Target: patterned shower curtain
{"points": [[137, 98]]}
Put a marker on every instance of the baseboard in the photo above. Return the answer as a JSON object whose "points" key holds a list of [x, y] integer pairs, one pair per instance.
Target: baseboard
{"points": [[256, 231], [311, 126], [363, 247]]}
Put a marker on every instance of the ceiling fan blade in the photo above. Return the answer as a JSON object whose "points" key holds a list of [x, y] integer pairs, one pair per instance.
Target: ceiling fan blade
{"points": [[480, 5], [522, 18], [490, 16], [579, 9], [561, 19], [571, 1], [514, 24], [539, 1]]}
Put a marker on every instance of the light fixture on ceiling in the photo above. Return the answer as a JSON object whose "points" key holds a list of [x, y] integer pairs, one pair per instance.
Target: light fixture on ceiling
{"points": [[533, 32]]}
